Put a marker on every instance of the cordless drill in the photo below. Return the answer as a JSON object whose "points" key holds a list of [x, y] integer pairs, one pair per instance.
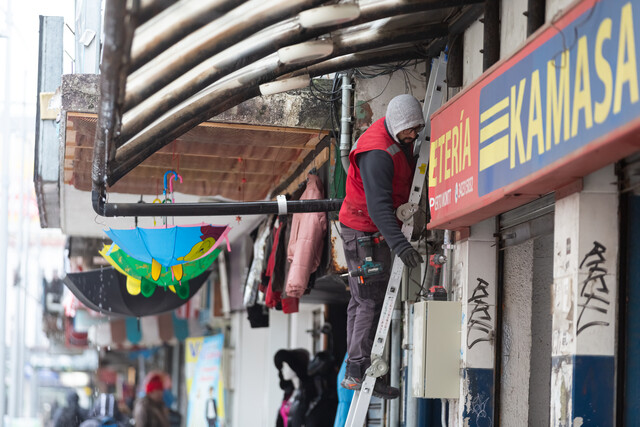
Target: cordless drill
{"points": [[368, 267], [436, 291]]}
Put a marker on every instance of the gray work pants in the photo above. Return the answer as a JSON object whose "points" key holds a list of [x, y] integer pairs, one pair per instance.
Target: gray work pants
{"points": [[366, 301]]}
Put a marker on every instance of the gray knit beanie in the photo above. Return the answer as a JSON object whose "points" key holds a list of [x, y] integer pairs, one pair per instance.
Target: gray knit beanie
{"points": [[403, 112]]}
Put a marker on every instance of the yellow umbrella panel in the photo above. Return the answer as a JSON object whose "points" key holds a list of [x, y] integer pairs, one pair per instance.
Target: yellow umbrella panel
{"points": [[139, 274]]}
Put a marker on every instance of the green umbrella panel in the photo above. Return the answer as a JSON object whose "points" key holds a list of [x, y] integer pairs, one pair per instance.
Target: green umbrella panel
{"points": [[138, 273]]}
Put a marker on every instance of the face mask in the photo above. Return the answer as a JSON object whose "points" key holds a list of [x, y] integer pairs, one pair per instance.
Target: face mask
{"points": [[168, 398]]}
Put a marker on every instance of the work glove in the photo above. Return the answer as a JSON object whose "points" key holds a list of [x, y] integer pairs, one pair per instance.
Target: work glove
{"points": [[411, 258]]}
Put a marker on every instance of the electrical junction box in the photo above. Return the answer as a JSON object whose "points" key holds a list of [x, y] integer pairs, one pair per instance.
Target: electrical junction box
{"points": [[436, 349]]}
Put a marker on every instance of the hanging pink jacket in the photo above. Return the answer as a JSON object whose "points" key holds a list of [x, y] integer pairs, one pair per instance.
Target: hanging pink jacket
{"points": [[306, 242]]}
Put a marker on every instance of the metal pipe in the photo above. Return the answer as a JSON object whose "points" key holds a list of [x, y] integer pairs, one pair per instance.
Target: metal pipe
{"points": [[224, 286], [137, 117], [396, 355], [150, 8], [345, 121], [172, 24], [303, 166], [176, 369], [443, 412], [209, 40], [204, 74], [458, 26], [446, 268], [405, 357], [113, 73], [215, 99], [112, 69], [369, 12], [411, 402], [399, 52], [152, 103], [205, 209]]}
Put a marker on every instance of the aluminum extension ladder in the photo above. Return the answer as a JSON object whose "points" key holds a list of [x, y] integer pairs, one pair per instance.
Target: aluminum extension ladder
{"points": [[436, 88]]}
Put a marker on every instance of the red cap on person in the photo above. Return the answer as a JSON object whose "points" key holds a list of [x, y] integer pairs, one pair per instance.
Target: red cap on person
{"points": [[155, 383]]}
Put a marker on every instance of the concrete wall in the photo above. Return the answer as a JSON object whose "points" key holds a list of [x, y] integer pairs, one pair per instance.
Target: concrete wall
{"points": [[472, 66], [372, 95], [585, 303], [553, 7], [513, 26]]}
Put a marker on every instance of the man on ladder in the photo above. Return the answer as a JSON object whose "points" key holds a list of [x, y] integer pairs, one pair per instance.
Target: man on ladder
{"points": [[373, 193], [381, 170]]}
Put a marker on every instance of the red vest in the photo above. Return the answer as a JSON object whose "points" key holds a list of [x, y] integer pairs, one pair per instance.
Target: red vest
{"points": [[354, 213]]}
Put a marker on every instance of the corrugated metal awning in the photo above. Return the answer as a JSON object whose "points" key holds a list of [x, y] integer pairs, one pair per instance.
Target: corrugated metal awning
{"points": [[169, 67]]}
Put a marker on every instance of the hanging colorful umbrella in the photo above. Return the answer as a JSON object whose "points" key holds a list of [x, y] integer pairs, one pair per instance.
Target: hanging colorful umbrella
{"points": [[138, 273], [104, 290], [169, 246]]}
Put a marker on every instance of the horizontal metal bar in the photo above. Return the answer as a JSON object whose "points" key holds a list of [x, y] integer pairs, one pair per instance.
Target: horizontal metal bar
{"points": [[399, 52], [210, 209]]}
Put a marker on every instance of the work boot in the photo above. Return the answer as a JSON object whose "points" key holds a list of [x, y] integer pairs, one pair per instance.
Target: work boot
{"points": [[381, 390]]}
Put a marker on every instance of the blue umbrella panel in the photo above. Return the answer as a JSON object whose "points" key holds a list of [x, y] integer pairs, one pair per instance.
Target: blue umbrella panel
{"points": [[169, 246]]}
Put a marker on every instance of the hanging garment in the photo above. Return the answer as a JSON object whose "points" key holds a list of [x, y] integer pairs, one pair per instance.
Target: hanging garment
{"points": [[307, 241], [257, 264], [276, 271], [258, 316], [264, 278], [272, 296]]}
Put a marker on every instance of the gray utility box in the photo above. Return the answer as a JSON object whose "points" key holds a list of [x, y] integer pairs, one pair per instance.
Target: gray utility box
{"points": [[436, 349]]}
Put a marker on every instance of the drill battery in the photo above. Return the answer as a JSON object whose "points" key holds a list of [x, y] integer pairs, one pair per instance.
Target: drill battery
{"points": [[437, 293]]}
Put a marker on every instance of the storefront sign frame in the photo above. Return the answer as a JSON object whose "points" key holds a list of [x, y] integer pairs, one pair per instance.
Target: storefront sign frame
{"points": [[563, 106]]}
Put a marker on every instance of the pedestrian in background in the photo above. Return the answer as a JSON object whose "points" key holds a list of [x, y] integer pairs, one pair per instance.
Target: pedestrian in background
{"points": [[150, 410], [72, 414]]}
